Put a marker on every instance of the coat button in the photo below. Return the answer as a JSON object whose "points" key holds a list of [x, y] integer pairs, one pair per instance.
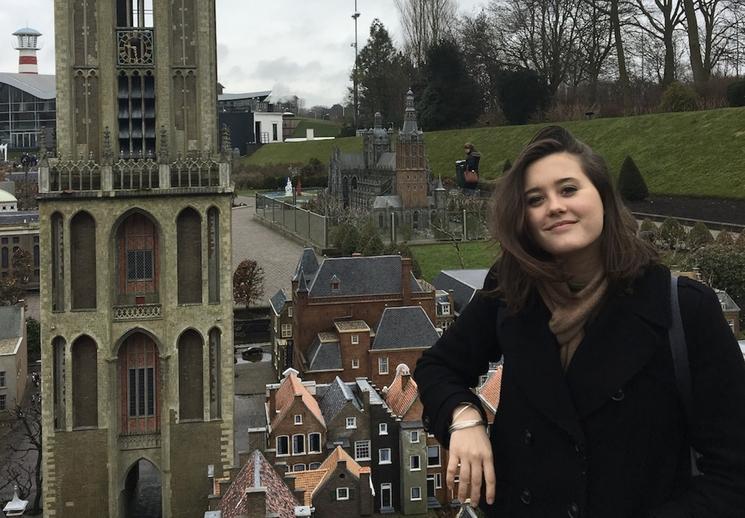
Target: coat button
{"points": [[573, 510], [527, 438], [618, 396], [525, 496]]}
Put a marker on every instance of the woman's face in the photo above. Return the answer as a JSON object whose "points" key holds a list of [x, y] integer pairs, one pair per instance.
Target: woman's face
{"points": [[563, 208]]}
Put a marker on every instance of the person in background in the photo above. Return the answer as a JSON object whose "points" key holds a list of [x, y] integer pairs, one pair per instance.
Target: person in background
{"points": [[471, 174], [591, 421]]}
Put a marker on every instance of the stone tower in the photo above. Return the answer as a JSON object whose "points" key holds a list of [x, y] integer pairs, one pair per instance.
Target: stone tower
{"points": [[136, 298], [412, 171]]}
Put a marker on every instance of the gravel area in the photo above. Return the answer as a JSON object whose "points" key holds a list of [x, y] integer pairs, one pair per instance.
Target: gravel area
{"points": [[706, 209]]}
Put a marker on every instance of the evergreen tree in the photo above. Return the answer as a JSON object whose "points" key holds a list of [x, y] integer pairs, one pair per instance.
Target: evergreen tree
{"points": [[671, 233], [631, 184], [374, 246], [351, 242], [724, 238], [648, 230], [740, 241], [451, 97], [522, 94], [383, 78]]}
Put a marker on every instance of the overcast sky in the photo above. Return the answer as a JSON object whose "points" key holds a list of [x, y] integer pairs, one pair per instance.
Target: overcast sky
{"points": [[300, 47]]}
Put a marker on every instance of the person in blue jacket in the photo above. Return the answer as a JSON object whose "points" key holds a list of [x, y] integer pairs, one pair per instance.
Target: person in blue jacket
{"points": [[590, 420]]}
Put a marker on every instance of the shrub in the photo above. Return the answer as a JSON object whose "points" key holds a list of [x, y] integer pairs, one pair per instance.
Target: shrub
{"points": [[631, 184], [740, 241], [671, 233], [699, 236], [724, 238], [736, 93], [522, 93], [648, 230], [678, 98], [351, 241], [723, 267], [374, 246]]}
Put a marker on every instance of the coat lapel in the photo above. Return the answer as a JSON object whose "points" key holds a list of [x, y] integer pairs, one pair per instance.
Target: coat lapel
{"points": [[531, 353], [628, 331]]}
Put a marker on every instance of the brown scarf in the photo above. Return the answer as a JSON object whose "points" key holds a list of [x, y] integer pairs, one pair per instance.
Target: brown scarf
{"points": [[570, 311]]}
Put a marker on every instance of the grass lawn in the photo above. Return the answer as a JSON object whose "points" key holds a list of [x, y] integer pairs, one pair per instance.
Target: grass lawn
{"points": [[321, 128], [443, 256], [692, 153]]}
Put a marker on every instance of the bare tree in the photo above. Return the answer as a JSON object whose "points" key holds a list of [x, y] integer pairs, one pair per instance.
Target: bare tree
{"points": [[660, 19], [248, 282], [542, 35], [424, 23], [721, 21]]}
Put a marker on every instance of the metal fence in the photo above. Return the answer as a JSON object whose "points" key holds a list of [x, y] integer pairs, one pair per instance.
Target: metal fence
{"points": [[304, 224]]}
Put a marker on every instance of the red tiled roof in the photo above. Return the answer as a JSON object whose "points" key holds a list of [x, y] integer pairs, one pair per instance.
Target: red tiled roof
{"points": [[279, 498], [290, 387], [491, 389], [404, 400], [313, 479]]}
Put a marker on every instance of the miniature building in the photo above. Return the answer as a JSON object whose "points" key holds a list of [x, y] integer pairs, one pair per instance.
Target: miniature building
{"points": [[462, 283], [19, 229], [393, 182], [136, 291], [338, 303], [13, 357]]}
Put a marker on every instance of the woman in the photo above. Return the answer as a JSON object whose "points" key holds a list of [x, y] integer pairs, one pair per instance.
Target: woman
{"points": [[471, 173], [590, 421]]}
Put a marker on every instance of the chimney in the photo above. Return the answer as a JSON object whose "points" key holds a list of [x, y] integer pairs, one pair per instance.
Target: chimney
{"points": [[256, 502], [406, 280], [365, 492], [405, 377]]}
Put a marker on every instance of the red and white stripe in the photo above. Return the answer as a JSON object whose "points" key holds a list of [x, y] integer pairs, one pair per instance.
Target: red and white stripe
{"points": [[27, 63]]}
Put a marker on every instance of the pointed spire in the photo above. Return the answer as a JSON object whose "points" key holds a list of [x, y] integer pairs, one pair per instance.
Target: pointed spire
{"points": [[301, 286], [226, 141], [439, 187], [378, 120], [410, 122]]}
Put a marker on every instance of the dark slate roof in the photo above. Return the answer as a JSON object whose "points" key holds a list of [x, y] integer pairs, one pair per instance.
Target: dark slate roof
{"points": [[387, 161], [351, 161], [10, 322], [308, 264], [324, 356], [278, 301], [361, 276], [335, 398], [364, 386], [405, 327], [464, 284], [14, 218], [727, 302]]}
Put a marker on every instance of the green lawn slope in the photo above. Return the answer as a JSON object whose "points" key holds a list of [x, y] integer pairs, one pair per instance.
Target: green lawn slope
{"points": [[321, 128], [692, 153]]}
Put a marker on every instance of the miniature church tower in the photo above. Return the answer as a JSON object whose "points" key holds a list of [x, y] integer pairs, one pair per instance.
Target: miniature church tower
{"points": [[412, 171], [136, 298]]}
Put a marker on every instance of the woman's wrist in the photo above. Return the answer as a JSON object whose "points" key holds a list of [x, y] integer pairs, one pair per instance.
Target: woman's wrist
{"points": [[465, 411]]}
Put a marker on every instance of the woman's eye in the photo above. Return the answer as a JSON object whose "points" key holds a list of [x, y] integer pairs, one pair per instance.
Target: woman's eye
{"points": [[568, 190], [534, 201]]}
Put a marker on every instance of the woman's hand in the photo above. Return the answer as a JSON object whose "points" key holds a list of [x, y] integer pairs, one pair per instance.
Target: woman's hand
{"points": [[470, 447]]}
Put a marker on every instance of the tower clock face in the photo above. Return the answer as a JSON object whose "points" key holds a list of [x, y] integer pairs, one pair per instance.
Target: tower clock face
{"points": [[135, 47]]}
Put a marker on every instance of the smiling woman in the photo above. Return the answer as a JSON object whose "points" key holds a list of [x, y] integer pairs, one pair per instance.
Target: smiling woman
{"points": [[590, 419]]}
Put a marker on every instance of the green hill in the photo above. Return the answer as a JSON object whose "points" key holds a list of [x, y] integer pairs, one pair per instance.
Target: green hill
{"points": [[321, 128], [691, 153]]}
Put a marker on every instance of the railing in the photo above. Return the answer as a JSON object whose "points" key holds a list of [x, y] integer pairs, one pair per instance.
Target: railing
{"points": [[135, 174], [75, 175], [306, 225], [139, 441], [195, 172], [137, 312]]}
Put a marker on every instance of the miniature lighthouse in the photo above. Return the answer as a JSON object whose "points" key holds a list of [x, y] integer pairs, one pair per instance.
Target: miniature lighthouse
{"points": [[27, 47]]}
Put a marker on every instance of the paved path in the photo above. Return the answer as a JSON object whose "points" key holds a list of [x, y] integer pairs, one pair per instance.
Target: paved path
{"points": [[276, 254]]}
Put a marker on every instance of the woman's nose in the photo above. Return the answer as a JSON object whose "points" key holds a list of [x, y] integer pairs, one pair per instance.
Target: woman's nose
{"points": [[556, 205]]}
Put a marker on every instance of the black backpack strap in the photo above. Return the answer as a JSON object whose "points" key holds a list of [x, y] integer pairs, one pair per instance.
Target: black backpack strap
{"points": [[679, 350]]}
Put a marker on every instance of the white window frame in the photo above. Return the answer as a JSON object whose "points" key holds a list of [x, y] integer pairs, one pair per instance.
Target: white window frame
{"points": [[289, 311], [298, 467], [414, 436], [438, 480], [355, 339], [342, 491], [389, 487], [382, 428], [362, 444], [380, 456], [418, 463], [276, 445], [286, 331], [310, 442], [351, 423], [382, 365], [411, 494], [355, 363], [298, 419], [439, 456], [302, 436], [446, 308]]}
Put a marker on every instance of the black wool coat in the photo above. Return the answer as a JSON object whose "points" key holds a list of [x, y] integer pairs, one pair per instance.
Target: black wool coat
{"points": [[609, 438]]}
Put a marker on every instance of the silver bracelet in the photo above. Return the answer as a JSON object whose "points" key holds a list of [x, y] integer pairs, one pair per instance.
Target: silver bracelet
{"points": [[465, 406], [469, 423]]}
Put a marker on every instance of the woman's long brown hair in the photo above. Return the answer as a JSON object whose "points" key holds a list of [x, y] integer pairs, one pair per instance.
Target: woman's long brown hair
{"points": [[522, 261]]}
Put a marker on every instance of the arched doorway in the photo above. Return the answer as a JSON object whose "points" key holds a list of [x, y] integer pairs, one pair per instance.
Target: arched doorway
{"points": [[139, 386], [142, 493]]}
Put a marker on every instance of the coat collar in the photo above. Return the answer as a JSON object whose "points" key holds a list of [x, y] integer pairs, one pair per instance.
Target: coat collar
{"points": [[623, 337]]}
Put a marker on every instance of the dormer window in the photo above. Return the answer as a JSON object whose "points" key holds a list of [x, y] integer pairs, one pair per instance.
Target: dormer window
{"points": [[445, 308], [335, 284]]}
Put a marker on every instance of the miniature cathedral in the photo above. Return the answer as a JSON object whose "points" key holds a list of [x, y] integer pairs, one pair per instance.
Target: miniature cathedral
{"points": [[136, 299], [391, 178]]}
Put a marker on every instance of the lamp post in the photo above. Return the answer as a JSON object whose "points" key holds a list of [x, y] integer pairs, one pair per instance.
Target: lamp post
{"points": [[355, 16]]}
